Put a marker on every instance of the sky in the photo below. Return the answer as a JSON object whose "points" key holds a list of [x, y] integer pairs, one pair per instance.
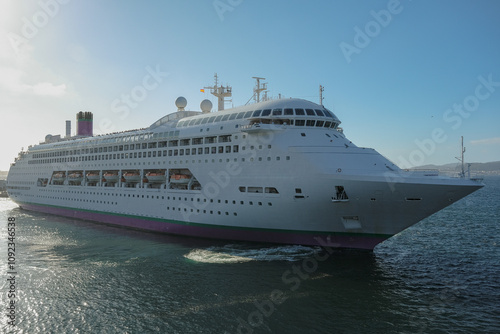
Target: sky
{"points": [[408, 78]]}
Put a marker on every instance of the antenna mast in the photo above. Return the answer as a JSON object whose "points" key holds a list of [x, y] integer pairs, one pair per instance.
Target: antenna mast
{"points": [[321, 90], [461, 159], [220, 92], [258, 88]]}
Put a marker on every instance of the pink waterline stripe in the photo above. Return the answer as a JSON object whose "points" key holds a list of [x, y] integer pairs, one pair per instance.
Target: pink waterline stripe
{"points": [[334, 241]]}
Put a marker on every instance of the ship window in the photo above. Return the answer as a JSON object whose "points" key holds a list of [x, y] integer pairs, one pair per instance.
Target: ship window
{"points": [[255, 189], [210, 140], [225, 139], [217, 119], [299, 112], [221, 149], [181, 124], [151, 145], [228, 149], [266, 112], [300, 122], [288, 111], [211, 119], [320, 123], [235, 148], [204, 120], [277, 112], [310, 112], [242, 189], [310, 122], [214, 150], [328, 113], [191, 122], [240, 115], [319, 112], [224, 118], [200, 150], [256, 113], [271, 190], [248, 114], [328, 124], [184, 142], [233, 116], [173, 143]]}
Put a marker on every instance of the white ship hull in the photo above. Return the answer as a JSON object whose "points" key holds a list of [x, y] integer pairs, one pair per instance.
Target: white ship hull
{"points": [[279, 184]]}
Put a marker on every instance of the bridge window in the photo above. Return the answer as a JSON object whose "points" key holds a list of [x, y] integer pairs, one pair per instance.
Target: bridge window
{"points": [[248, 114], [240, 115], [288, 111], [319, 112], [310, 112], [299, 112], [266, 112], [300, 122], [256, 113], [277, 112]]}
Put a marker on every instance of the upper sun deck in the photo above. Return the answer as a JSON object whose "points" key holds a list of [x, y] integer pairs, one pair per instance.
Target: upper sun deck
{"points": [[283, 111], [278, 110]]}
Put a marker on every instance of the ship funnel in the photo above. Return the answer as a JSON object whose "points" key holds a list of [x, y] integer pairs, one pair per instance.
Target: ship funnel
{"points": [[84, 126], [68, 129]]}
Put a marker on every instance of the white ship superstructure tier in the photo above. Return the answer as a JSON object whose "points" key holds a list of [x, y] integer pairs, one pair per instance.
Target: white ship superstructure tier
{"points": [[276, 171]]}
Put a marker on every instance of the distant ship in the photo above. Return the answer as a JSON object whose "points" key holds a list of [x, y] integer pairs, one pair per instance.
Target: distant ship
{"points": [[278, 171]]}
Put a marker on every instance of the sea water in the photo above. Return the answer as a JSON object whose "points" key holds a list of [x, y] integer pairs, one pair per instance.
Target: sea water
{"points": [[71, 276]]}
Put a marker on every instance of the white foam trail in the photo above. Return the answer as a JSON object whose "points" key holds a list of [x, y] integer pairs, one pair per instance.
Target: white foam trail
{"points": [[234, 253]]}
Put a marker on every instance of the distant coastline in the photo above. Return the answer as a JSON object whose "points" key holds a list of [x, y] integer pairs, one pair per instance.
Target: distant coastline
{"points": [[476, 168], [3, 184]]}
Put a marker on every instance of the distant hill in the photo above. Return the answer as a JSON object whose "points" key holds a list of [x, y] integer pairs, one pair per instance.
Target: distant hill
{"points": [[492, 168]]}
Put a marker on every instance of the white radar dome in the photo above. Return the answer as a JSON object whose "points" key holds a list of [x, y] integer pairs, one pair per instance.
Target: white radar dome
{"points": [[181, 103], [206, 106]]}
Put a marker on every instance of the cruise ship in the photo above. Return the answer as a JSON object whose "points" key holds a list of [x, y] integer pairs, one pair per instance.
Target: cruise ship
{"points": [[275, 171]]}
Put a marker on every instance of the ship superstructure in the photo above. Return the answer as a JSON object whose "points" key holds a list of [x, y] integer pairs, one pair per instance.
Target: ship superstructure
{"points": [[275, 171]]}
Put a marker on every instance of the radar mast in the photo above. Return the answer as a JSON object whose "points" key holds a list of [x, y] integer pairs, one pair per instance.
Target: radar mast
{"points": [[220, 92]]}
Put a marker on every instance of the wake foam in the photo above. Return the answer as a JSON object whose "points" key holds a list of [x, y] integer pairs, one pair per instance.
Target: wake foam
{"points": [[235, 253]]}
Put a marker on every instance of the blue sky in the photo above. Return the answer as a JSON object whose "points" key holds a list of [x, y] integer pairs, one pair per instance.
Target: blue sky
{"points": [[407, 78]]}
